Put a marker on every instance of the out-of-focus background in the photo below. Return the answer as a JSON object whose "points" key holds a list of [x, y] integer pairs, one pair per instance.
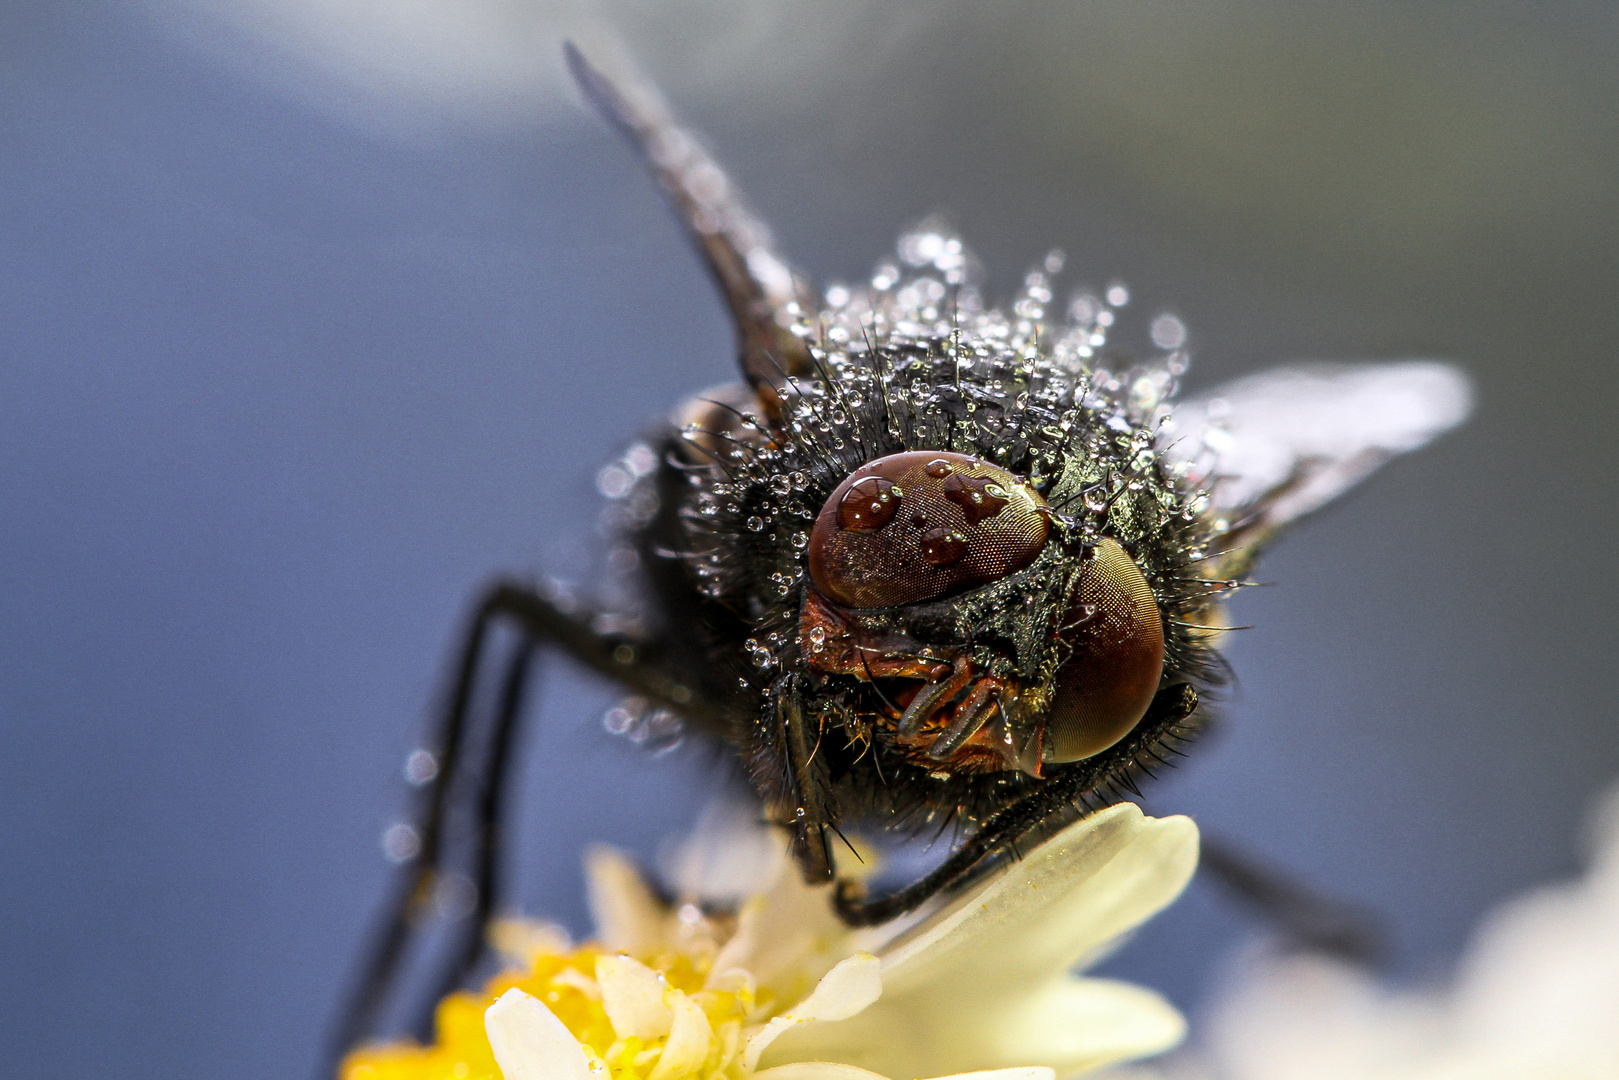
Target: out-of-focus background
{"points": [[314, 314]]}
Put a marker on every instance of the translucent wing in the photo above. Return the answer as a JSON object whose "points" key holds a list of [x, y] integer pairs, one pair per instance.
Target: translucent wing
{"points": [[1276, 446], [768, 301]]}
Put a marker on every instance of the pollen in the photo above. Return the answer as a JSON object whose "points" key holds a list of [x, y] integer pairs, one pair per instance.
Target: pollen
{"points": [[566, 981]]}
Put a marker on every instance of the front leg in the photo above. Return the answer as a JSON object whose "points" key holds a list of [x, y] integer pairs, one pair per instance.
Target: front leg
{"points": [[459, 815], [802, 807]]}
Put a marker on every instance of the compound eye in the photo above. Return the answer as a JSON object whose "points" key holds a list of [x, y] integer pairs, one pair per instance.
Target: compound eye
{"points": [[922, 525], [1118, 641]]}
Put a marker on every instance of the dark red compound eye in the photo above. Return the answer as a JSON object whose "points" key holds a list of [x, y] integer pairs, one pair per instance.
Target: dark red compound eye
{"points": [[1117, 636], [921, 525]]}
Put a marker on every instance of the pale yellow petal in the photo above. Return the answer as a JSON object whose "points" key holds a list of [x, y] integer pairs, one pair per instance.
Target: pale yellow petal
{"points": [[834, 1070], [1095, 880], [633, 997], [817, 1070], [845, 991], [985, 983], [627, 915], [739, 949], [689, 1039], [1085, 1023], [793, 938], [530, 1043], [521, 940]]}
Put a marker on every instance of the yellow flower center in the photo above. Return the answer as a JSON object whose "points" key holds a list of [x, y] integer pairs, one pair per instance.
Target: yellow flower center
{"points": [[566, 982]]}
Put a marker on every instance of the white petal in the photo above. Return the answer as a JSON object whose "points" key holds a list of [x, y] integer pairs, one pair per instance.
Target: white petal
{"points": [[1095, 880], [521, 940], [845, 991], [735, 953], [1069, 1025], [729, 855], [985, 985], [832, 1070], [633, 997], [627, 915], [530, 1043], [1086, 1023], [788, 938], [817, 1070], [688, 1039]]}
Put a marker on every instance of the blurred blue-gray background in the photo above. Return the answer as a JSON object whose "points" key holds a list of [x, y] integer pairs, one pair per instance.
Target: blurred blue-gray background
{"points": [[314, 314]]}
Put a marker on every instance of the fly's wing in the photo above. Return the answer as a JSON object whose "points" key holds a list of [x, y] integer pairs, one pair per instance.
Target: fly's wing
{"points": [[768, 301], [1274, 447]]}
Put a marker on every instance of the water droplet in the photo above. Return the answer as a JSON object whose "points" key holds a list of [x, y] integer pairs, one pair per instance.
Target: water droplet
{"points": [[420, 767], [974, 496], [1168, 332], [614, 482], [756, 524], [869, 504], [623, 717], [1145, 393], [640, 459], [401, 843], [942, 547]]}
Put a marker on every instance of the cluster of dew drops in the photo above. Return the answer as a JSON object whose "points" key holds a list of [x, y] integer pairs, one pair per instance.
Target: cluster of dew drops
{"points": [[926, 299]]}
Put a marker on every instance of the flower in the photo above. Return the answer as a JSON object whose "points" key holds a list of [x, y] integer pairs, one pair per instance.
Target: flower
{"points": [[1536, 995], [783, 991]]}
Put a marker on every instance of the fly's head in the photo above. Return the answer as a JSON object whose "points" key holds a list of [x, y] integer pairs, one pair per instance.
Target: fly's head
{"points": [[959, 549]]}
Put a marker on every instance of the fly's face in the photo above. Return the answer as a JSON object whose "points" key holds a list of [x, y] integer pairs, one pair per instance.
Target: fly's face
{"points": [[991, 635], [917, 534]]}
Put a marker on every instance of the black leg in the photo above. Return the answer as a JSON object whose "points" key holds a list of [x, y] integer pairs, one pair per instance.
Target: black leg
{"points": [[484, 856], [1062, 794], [1304, 918], [806, 816], [473, 752]]}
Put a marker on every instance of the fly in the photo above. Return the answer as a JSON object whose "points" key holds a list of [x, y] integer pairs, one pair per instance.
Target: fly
{"points": [[931, 564]]}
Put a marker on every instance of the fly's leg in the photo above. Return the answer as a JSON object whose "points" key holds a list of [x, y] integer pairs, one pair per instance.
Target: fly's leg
{"points": [[805, 812], [1304, 917], [1063, 792], [456, 870], [970, 717], [944, 683]]}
